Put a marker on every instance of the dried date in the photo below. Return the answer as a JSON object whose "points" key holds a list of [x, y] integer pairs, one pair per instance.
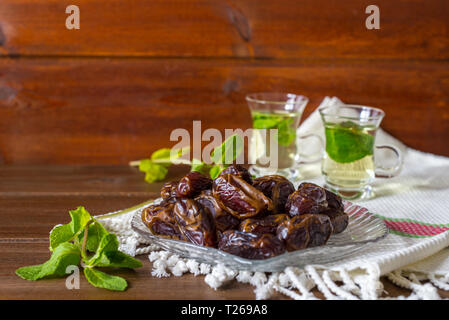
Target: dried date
{"points": [[251, 245], [239, 171], [339, 219], [335, 212], [240, 198], [169, 191], [268, 224], [192, 184], [309, 198], [195, 222], [160, 221], [277, 188], [294, 234], [198, 210], [223, 219], [320, 229], [334, 201], [312, 199], [305, 231]]}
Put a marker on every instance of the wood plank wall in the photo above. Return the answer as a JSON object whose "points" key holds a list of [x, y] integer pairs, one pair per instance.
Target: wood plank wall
{"points": [[113, 91]]}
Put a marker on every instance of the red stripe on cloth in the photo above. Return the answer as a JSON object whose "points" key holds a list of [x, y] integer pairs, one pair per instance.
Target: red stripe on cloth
{"points": [[408, 227], [415, 228]]}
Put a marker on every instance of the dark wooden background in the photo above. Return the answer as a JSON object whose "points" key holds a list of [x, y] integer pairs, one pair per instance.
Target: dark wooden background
{"points": [[113, 91]]}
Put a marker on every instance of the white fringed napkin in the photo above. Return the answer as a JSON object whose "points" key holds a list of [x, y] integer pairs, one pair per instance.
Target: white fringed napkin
{"points": [[414, 205]]}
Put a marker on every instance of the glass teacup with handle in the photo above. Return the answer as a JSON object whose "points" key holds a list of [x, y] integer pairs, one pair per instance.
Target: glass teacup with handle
{"points": [[275, 118], [349, 165]]}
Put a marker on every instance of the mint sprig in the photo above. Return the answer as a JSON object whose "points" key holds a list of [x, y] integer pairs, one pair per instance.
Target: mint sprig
{"points": [[156, 167], [348, 142], [284, 124], [63, 233], [103, 280], [64, 255], [83, 241]]}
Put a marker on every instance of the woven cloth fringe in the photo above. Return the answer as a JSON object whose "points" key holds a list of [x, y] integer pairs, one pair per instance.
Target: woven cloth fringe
{"points": [[295, 283]]}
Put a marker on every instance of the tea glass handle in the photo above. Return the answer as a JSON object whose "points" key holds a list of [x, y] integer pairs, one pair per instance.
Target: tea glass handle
{"points": [[389, 172], [314, 157]]}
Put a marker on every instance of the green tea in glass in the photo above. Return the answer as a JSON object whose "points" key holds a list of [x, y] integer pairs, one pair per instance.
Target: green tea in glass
{"points": [[349, 165], [277, 114]]}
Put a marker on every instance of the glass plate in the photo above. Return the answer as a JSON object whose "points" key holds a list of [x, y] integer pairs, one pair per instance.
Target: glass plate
{"points": [[363, 229]]}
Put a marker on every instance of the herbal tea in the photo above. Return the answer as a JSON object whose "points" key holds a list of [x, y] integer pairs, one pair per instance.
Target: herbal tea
{"points": [[286, 124], [349, 161], [273, 148], [348, 165]]}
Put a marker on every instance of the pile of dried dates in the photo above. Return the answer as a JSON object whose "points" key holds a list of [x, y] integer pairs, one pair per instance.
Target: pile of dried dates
{"points": [[251, 218]]}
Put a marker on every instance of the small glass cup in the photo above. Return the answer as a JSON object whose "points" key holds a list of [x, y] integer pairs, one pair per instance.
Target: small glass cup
{"points": [[349, 165], [280, 111]]}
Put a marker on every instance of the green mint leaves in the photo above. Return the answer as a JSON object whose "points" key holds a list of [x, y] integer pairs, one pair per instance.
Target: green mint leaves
{"points": [[64, 255], [63, 233], [153, 171], [96, 233], [84, 240], [229, 151], [285, 124], [103, 280], [347, 142], [215, 171], [156, 168]]}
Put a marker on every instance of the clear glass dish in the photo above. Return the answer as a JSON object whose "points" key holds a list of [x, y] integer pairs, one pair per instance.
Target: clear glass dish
{"points": [[363, 229]]}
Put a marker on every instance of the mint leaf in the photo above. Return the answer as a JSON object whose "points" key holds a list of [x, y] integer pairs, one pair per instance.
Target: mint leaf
{"points": [[286, 132], [107, 244], [153, 171], [163, 153], [156, 173], [181, 152], [156, 168], [348, 142], [285, 124], [145, 165], [200, 166], [167, 156], [215, 171], [117, 259], [80, 218], [60, 234], [206, 169], [227, 152], [30, 272], [103, 280], [107, 255], [94, 235], [64, 255], [265, 121], [163, 156]]}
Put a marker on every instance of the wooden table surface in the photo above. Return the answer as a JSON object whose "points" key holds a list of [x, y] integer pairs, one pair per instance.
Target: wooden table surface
{"points": [[35, 198]]}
